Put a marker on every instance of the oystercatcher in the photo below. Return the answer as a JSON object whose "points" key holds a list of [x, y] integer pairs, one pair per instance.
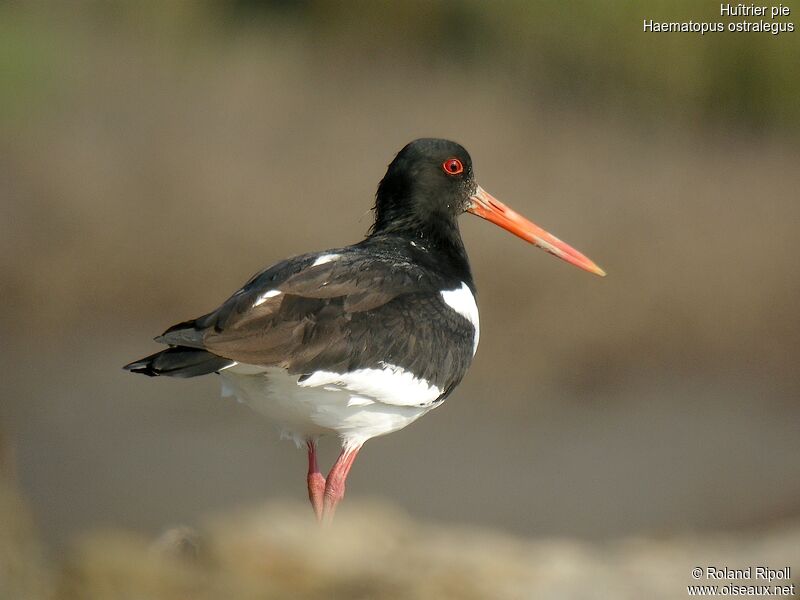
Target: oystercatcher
{"points": [[358, 341]]}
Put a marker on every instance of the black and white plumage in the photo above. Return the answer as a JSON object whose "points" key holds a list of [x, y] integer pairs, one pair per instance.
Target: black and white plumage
{"points": [[368, 321], [358, 341]]}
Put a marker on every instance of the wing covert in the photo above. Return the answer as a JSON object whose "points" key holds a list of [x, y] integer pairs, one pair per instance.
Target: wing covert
{"points": [[304, 314]]}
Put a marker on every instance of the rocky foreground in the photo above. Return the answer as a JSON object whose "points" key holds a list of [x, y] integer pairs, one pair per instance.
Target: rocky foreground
{"points": [[372, 551]]}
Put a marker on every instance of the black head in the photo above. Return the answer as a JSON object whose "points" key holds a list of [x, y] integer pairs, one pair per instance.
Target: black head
{"points": [[429, 184], [426, 187]]}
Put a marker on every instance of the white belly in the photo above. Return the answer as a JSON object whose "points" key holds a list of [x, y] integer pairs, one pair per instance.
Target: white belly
{"points": [[350, 406]]}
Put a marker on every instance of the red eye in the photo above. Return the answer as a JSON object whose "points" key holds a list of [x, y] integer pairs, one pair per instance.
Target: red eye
{"points": [[453, 166]]}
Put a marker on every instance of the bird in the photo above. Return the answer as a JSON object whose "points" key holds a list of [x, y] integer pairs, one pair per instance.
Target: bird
{"points": [[359, 341]]}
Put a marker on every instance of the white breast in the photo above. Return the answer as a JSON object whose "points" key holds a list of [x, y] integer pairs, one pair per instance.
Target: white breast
{"points": [[463, 302]]}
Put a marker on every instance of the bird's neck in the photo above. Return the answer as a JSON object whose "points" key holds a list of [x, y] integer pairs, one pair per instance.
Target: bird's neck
{"points": [[439, 239]]}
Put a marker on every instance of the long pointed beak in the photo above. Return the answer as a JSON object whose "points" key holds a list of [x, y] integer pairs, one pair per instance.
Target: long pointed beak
{"points": [[490, 208]]}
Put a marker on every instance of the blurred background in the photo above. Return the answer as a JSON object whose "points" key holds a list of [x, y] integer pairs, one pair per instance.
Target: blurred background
{"points": [[153, 155]]}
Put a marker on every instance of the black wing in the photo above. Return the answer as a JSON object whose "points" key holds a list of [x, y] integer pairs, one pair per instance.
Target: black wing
{"points": [[339, 311]]}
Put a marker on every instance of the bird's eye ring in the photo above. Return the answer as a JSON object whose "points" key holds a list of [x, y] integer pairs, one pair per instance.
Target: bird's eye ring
{"points": [[453, 166]]}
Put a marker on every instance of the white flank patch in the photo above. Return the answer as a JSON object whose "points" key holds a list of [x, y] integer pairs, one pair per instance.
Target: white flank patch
{"points": [[462, 301], [389, 385], [303, 410], [266, 296], [325, 258], [359, 401]]}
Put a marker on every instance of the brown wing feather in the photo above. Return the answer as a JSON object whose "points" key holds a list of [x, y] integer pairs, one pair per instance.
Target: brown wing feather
{"points": [[311, 321], [361, 310]]}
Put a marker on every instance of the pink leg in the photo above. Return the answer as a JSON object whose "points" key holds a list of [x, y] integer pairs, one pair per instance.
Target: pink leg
{"points": [[335, 484], [316, 482]]}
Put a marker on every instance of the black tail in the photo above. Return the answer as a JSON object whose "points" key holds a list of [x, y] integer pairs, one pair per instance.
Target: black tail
{"points": [[179, 362]]}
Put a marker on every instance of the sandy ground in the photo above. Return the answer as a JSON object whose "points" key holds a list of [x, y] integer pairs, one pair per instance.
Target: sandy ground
{"points": [[371, 551]]}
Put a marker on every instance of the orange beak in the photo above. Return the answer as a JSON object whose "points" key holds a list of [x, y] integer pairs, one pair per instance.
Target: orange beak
{"points": [[490, 208]]}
